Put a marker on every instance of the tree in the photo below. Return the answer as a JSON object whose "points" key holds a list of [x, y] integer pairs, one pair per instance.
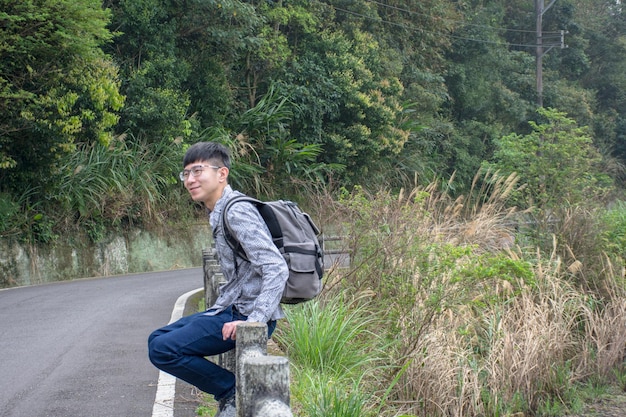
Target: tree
{"points": [[183, 63], [556, 161], [348, 100], [605, 29], [484, 104], [57, 88]]}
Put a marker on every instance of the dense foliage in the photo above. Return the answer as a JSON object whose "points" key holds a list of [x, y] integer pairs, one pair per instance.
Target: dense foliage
{"points": [[59, 89], [381, 94]]}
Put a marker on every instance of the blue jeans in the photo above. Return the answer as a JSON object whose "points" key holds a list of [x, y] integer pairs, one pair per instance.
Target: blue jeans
{"points": [[180, 349]]}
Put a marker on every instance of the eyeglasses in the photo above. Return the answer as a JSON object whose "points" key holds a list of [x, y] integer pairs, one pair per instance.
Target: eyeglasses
{"points": [[194, 171]]}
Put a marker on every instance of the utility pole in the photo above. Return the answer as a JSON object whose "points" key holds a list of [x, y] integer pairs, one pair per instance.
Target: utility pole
{"points": [[539, 53]]}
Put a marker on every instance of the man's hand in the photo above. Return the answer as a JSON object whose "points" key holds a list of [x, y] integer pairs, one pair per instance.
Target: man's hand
{"points": [[229, 331]]}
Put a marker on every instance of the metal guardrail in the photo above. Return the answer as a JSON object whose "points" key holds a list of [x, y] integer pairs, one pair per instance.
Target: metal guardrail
{"points": [[337, 257]]}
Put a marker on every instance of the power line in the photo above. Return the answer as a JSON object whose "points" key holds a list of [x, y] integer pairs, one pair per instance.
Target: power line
{"points": [[389, 6], [416, 29]]}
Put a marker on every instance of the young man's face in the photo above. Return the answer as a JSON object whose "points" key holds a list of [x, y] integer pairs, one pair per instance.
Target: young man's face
{"points": [[205, 181]]}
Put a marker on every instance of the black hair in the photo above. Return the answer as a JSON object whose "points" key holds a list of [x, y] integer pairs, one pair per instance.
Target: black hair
{"points": [[207, 151]]}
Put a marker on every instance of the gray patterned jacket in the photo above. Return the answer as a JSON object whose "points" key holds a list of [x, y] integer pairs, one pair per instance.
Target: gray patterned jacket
{"points": [[257, 287]]}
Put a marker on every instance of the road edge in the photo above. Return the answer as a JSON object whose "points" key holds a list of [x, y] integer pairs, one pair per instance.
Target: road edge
{"points": [[166, 385]]}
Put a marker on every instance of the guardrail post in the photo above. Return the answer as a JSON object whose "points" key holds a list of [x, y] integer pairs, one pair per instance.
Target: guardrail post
{"points": [[267, 383], [262, 381], [251, 342], [210, 266], [213, 278]]}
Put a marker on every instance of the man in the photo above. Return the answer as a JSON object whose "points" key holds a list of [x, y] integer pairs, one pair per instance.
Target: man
{"points": [[252, 291]]}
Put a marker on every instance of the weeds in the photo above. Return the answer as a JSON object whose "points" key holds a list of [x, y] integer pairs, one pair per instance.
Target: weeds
{"points": [[470, 323], [330, 339], [332, 346], [330, 397]]}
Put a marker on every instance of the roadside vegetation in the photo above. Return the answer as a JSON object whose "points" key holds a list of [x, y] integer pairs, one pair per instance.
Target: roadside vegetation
{"points": [[460, 306], [447, 309]]}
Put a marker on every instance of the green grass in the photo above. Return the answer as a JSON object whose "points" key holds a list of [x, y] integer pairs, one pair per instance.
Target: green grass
{"points": [[330, 337], [334, 351]]}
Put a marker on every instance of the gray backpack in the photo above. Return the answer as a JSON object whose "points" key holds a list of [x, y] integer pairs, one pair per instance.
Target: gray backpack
{"points": [[296, 237]]}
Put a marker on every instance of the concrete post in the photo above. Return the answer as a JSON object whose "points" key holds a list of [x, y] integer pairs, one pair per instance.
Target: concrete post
{"points": [[213, 279], [212, 284], [251, 342], [266, 379], [273, 408], [206, 269], [217, 279], [262, 381]]}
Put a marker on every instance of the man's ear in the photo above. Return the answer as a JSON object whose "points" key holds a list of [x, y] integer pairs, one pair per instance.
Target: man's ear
{"points": [[223, 173]]}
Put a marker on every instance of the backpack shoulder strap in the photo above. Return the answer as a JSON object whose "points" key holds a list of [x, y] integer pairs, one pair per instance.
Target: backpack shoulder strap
{"points": [[232, 242]]}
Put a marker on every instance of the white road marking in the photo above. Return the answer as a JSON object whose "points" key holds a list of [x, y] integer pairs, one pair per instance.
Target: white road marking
{"points": [[166, 386]]}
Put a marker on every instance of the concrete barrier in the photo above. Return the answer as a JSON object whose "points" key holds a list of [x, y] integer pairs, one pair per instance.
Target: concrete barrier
{"points": [[262, 380]]}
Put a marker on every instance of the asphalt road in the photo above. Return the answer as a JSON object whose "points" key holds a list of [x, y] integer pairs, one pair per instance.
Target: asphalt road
{"points": [[78, 348]]}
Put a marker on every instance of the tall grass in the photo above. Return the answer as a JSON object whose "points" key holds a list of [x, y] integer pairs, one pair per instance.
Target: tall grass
{"points": [[329, 338], [332, 398], [126, 183], [468, 322], [331, 348]]}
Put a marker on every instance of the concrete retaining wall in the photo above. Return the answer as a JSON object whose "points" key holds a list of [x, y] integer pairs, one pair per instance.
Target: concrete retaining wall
{"points": [[72, 257]]}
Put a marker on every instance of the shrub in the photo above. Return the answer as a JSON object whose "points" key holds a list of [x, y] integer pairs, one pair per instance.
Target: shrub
{"points": [[614, 234]]}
